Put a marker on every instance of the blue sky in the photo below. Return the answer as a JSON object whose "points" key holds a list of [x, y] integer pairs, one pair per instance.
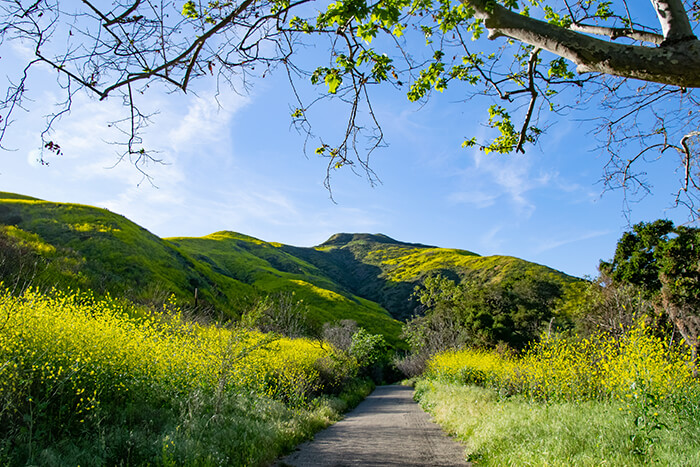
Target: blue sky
{"points": [[235, 164]]}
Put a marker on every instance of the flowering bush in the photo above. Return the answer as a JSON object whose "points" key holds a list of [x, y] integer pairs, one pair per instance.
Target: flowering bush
{"points": [[75, 368], [602, 367]]}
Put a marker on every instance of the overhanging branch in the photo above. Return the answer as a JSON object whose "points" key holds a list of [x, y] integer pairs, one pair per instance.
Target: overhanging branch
{"points": [[677, 64], [617, 33]]}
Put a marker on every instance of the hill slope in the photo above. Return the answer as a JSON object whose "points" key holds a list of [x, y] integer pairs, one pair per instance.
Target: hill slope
{"points": [[368, 278], [387, 271], [88, 247], [91, 248]]}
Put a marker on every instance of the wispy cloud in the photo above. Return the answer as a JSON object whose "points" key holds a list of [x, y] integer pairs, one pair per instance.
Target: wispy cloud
{"points": [[493, 177], [552, 244]]}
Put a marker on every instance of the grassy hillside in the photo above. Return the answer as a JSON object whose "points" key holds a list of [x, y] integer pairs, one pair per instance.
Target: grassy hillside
{"points": [[387, 271], [70, 245], [90, 248], [270, 267], [367, 278]]}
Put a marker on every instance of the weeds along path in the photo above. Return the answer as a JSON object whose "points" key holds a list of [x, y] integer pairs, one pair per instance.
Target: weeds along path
{"points": [[389, 429]]}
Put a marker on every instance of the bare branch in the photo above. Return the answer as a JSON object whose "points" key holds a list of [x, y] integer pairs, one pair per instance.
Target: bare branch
{"points": [[687, 155], [123, 15], [531, 64]]}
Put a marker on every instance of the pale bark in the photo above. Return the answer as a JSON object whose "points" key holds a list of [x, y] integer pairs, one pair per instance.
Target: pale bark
{"points": [[676, 62], [617, 33], [674, 20], [687, 321]]}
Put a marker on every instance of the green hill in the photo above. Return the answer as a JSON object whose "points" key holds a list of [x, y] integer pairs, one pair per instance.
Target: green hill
{"points": [[387, 271], [70, 245], [271, 268], [91, 248], [364, 277]]}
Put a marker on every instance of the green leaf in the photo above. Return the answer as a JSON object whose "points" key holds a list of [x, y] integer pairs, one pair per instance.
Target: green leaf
{"points": [[333, 80], [189, 10]]}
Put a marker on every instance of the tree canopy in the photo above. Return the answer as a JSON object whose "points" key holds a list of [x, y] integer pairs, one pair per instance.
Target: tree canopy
{"points": [[513, 312], [637, 63]]}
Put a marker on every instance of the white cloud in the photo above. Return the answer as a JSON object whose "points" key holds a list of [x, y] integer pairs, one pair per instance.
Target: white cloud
{"points": [[207, 120], [510, 177], [33, 158]]}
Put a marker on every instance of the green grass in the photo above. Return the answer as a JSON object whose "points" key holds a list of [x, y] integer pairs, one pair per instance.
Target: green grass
{"points": [[367, 278], [91, 248], [6, 195], [516, 431]]}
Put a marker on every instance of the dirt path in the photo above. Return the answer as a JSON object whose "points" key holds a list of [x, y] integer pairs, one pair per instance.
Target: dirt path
{"points": [[388, 428]]}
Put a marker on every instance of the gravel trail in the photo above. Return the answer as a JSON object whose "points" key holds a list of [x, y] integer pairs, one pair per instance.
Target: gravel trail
{"points": [[389, 429]]}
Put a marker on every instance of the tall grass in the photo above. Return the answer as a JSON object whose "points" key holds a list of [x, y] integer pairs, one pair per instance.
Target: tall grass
{"points": [[518, 431], [617, 400], [98, 381]]}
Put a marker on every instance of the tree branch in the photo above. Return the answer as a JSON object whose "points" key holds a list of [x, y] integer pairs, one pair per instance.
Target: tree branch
{"points": [[617, 33], [532, 62], [687, 156], [676, 63], [674, 21]]}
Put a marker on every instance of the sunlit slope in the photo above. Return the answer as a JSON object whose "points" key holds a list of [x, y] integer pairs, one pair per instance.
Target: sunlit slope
{"points": [[77, 246], [368, 278], [387, 271], [273, 268], [93, 248]]}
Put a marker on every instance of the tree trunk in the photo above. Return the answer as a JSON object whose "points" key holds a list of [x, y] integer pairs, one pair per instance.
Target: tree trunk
{"points": [[687, 322]]}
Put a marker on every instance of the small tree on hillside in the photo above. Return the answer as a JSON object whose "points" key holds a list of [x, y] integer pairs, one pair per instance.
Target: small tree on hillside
{"points": [[340, 334], [281, 313]]}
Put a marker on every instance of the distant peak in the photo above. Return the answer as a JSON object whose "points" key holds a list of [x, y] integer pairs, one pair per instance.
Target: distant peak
{"points": [[342, 239]]}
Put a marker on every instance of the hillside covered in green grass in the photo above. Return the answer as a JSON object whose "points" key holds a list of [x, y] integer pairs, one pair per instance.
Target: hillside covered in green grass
{"points": [[363, 277], [387, 271]]}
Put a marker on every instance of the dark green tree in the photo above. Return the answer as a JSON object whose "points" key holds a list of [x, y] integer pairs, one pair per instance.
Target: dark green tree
{"points": [[664, 262], [638, 255], [512, 312]]}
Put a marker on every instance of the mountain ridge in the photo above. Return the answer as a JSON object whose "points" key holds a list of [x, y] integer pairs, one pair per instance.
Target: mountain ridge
{"points": [[370, 278], [345, 238]]}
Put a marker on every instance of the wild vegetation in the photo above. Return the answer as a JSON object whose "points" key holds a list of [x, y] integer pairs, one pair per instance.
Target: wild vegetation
{"points": [[365, 278], [221, 275], [608, 380], [88, 381]]}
